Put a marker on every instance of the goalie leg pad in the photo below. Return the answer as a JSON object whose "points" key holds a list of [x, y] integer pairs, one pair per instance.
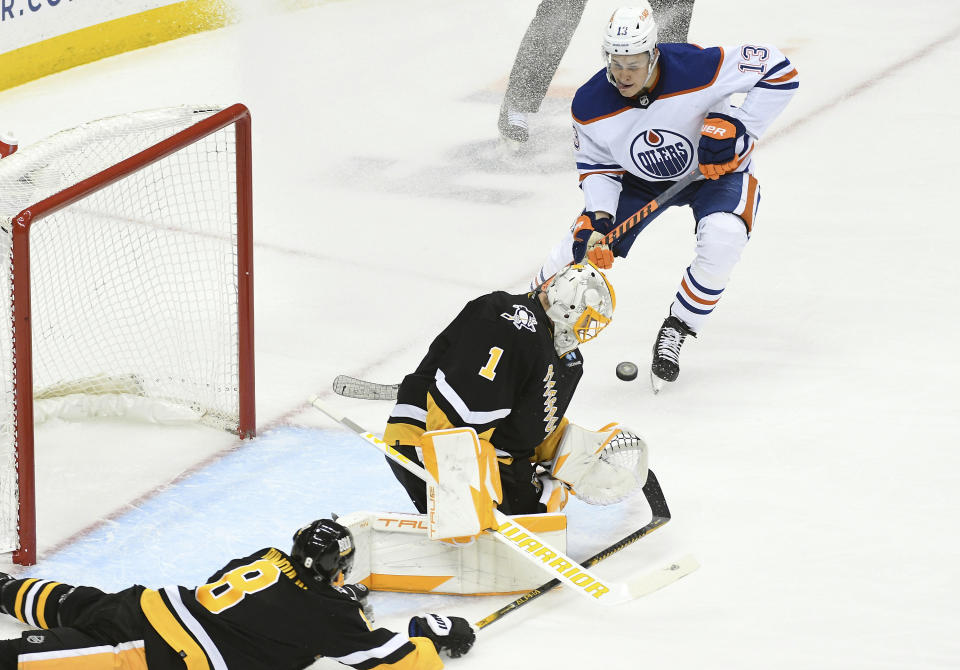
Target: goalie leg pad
{"points": [[466, 483], [394, 553]]}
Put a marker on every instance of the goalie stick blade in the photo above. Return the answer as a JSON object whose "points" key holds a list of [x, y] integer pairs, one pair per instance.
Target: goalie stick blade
{"points": [[668, 574], [351, 387]]}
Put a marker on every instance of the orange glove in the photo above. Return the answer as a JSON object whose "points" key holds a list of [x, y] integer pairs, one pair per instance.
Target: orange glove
{"points": [[719, 138], [588, 232], [601, 256]]}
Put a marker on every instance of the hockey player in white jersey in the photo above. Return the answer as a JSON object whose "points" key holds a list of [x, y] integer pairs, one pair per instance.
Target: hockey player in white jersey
{"points": [[653, 114]]}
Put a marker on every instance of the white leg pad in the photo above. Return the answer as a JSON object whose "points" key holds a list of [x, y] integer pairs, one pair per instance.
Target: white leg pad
{"points": [[394, 553]]}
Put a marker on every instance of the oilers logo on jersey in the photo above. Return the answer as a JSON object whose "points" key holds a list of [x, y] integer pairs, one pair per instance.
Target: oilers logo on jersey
{"points": [[662, 154]]}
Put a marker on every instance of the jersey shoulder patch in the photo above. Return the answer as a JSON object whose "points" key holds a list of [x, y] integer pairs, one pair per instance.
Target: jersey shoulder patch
{"points": [[507, 311], [521, 317], [687, 67], [596, 100]]}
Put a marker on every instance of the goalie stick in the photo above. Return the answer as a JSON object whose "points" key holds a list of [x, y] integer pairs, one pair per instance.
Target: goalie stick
{"points": [[661, 515], [531, 547]]}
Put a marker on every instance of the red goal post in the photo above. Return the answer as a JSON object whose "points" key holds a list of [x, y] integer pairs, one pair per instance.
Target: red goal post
{"points": [[128, 245]]}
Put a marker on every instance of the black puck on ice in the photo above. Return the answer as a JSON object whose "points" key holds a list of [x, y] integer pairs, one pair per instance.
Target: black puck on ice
{"points": [[627, 371]]}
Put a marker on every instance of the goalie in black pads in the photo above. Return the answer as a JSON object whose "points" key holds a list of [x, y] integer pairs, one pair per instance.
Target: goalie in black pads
{"points": [[493, 389], [267, 611]]}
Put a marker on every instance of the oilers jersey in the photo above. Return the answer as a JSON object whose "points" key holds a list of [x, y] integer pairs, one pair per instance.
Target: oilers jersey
{"points": [[654, 137]]}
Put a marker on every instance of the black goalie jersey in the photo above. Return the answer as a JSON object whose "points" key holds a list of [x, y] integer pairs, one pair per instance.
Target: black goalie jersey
{"points": [[257, 614], [495, 369]]}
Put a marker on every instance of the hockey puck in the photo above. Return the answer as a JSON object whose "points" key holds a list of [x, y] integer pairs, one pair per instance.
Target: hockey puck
{"points": [[627, 371]]}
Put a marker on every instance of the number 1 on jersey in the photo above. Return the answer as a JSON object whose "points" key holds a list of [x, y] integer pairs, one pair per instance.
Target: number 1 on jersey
{"points": [[489, 371]]}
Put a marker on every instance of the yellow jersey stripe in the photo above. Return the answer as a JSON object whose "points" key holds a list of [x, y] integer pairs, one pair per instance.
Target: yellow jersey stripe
{"points": [[172, 631]]}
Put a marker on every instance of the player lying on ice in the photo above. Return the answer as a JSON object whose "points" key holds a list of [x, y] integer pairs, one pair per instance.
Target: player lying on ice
{"points": [[655, 113], [489, 400], [267, 611]]}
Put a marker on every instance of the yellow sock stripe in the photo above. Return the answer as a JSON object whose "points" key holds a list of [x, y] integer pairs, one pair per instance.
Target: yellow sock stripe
{"points": [[18, 605], [170, 629], [42, 601]]}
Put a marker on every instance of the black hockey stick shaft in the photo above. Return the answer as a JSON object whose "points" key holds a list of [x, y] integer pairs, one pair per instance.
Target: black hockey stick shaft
{"points": [[650, 207], [661, 515]]}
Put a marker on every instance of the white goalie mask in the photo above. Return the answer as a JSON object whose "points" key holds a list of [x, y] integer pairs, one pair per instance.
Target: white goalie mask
{"points": [[631, 31], [581, 305]]}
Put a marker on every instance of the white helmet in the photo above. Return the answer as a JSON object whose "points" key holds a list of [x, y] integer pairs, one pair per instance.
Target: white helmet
{"points": [[581, 305], [631, 31]]}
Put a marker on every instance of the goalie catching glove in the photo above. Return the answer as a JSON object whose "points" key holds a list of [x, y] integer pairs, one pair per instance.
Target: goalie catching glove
{"points": [[588, 232], [453, 635], [602, 467]]}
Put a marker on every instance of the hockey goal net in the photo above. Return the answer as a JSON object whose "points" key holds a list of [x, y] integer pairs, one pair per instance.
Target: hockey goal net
{"points": [[127, 258]]}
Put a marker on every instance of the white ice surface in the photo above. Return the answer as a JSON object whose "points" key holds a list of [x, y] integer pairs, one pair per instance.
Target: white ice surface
{"points": [[809, 450]]}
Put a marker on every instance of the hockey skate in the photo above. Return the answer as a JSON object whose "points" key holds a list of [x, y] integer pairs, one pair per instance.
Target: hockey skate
{"points": [[666, 352]]}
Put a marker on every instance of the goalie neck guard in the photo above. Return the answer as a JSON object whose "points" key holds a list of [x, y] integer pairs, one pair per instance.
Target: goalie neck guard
{"points": [[325, 549], [581, 305]]}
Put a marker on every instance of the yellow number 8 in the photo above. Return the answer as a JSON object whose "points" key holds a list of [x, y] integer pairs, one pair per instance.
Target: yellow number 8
{"points": [[234, 585]]}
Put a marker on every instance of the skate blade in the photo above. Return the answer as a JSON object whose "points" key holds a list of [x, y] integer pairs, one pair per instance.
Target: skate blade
{"points": [[656, 383]]}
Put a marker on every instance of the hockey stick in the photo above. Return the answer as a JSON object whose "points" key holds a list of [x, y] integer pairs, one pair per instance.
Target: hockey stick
{"points": [[351, 387], [651, 207], [661, 515], [528, 545]]}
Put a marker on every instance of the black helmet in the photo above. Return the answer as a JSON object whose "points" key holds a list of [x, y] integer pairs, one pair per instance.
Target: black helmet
{"points": [[325, 548]]}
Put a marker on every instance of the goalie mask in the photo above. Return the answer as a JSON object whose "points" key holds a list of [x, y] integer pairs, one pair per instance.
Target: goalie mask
{"points": [[581, 305], [325, 549], [631, 31]]}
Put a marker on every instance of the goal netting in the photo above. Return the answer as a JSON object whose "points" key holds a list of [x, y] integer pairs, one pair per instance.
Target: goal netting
{"points": [[126, 257]]}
